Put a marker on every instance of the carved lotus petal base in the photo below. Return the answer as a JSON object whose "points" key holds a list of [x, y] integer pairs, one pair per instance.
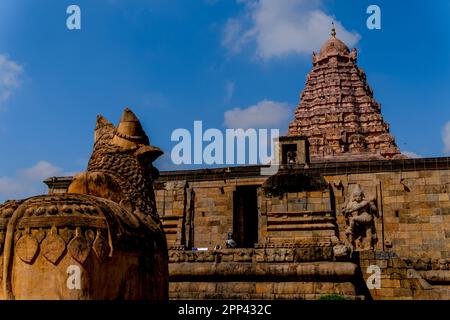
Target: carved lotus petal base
{"points": [[17, 235], [90, 236], [40, 235], [27, 248], [53, 247], [79, 248], [66, 234], [100, 246]]}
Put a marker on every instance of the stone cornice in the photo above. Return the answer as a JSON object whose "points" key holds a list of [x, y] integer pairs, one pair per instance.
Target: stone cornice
{"points": [[328, 168]]}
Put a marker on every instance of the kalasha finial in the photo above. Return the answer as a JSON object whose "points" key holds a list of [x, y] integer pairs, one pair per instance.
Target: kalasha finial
{"points": [[333, 30]]}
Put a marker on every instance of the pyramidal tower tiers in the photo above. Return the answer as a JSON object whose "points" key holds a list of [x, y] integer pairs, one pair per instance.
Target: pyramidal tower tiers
{"points": [[337, 111]]}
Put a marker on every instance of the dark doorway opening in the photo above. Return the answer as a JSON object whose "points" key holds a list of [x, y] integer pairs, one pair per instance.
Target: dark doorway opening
{"points": [[289, 154], [245, 216]]}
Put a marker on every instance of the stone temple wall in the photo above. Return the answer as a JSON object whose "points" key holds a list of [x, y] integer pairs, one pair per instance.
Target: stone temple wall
{"points": [[413, 230], [212, 213], [415, 208]]}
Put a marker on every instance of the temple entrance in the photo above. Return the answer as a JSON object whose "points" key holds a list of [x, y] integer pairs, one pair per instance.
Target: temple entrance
{"points": [[245, 216]]}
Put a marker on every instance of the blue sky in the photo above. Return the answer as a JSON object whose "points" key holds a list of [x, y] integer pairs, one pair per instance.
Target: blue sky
{"points": [[176, 61]]}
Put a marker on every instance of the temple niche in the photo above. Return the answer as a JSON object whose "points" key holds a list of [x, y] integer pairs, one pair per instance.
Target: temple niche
{"points": [[337, 111]]}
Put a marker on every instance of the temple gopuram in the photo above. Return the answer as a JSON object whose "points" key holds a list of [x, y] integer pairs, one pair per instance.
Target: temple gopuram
{"points": [[337, 111], [344, 208]]}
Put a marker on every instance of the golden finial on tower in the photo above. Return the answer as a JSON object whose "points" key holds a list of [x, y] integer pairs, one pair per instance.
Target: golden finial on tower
{"points": [[333, 30]]}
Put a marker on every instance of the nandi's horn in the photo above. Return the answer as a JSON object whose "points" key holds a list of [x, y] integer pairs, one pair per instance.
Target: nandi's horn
{"points": [[102, 128], [129, 132], [101, 122]]}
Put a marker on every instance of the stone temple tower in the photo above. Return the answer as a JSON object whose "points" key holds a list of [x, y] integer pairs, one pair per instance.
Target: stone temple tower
{"points": [[337, 112]]}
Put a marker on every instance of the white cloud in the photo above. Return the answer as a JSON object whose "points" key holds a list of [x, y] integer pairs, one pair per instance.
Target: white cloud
{"points": [[281, 27], [27, 182], [264, 114], [39, 171], [10, 73], [446, 138], [411, 154]]}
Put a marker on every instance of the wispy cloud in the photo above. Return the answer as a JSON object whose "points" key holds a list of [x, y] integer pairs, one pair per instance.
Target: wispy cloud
{"points": [[154, 100], [28, 181], [446, 138], [10, 73], [264, 114], [412, 155], [229, 90], [276, 28]]}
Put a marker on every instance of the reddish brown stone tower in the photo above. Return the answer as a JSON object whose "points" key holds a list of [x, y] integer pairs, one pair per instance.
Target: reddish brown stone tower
{"points": [[337, 111]]}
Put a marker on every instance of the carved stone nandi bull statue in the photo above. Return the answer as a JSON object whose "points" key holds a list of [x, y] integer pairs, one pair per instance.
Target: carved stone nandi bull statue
{"points": [[101, 240]]}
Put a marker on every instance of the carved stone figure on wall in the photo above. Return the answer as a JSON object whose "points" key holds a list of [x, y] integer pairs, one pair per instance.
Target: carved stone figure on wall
{"points": [[360, 217], [291, 157], [357, 143]]}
